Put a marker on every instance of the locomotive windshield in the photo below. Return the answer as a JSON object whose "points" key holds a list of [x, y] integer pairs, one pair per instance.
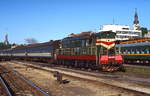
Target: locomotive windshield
{"points": [[106, 42], [107, 34]]}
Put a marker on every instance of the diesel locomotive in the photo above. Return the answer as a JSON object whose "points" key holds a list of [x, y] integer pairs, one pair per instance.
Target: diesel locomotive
{"points": [[90, 50], [84, 50]]}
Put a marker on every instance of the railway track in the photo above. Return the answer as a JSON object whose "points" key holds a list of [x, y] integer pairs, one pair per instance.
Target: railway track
{"points": [[4, 89], [19, 85], [109, 80], [115, 76], [137, 66]]}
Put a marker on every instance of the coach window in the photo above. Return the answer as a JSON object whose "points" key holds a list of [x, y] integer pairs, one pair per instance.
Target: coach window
{"points": [[147, 51], [128, 51], [133, 51], [142, 51], [137, 52]]}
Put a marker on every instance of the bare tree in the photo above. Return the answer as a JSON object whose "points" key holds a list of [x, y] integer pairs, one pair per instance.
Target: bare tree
{"points": [[31, 41]]}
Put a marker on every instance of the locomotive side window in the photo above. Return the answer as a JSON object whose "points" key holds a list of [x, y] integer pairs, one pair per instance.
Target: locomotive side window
{"points": [[93, 51], [87, 42], [77, 51], [83, 42]]}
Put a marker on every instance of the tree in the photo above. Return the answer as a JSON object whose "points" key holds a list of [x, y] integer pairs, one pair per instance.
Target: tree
{"points": [[144, 31], [31, 41], [4, 46]]}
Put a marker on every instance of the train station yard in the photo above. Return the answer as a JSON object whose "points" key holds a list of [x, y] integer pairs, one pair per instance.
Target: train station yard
{"points": [[71, 48], [80, 82], [84, 64]]}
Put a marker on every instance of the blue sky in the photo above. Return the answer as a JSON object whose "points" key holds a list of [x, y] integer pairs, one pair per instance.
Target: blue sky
{"points": [[55, 19]]}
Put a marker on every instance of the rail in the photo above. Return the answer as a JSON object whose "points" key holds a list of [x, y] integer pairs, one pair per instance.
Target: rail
{"points": [[31, 84], [18, 84], [6, 87]]}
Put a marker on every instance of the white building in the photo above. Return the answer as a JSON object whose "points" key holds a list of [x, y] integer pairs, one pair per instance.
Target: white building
{"points": [[124, 32], [148, 34]]}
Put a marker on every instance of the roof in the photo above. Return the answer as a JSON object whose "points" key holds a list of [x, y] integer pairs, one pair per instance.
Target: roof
{"points": [[135, 40], [134, 44], [38, 44], [82, 35]]}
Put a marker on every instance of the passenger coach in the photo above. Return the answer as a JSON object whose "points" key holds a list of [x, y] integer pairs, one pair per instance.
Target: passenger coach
{"points": [[135, 51]]}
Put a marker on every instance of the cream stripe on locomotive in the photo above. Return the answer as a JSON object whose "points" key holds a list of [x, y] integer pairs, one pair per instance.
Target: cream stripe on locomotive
{"points": [[108, 46], [107, 43]]}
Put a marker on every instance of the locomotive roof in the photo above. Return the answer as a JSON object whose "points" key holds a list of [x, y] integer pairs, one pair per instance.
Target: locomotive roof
{"points": [[101, 32], [38, 44], [82, 35]]}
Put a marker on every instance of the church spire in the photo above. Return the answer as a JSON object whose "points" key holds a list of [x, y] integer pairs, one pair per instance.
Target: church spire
{"points": [[136, 21], [136, 25], [6, 39]]}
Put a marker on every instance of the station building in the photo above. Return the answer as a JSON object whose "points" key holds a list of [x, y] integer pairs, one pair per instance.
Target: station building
{"points": [[124, 32], [148, 34]]}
